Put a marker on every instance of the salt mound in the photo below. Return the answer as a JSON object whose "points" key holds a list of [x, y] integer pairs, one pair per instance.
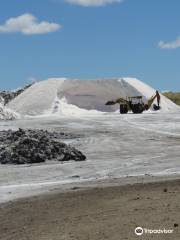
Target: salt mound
{"points": [[93, 94], [82, 94], [76, 97], [38, 98]]}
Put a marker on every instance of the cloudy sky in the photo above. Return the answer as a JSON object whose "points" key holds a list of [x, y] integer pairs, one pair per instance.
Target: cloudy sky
{"points": [[90, 39]]}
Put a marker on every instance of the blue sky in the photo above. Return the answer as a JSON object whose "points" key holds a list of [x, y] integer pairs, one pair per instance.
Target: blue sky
{"points": [[90, 39]]}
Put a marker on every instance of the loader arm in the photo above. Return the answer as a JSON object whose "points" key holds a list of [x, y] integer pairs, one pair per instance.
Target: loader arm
{"points": [[119, 101], [151, 100]]}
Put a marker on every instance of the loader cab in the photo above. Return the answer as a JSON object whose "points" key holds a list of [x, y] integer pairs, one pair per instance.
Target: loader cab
{"points": [[136, 104]]}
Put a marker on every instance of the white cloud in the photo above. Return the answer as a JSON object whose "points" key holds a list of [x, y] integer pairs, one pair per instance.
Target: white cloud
{"points": [[28, 25], [92, 3], [170, 45]]}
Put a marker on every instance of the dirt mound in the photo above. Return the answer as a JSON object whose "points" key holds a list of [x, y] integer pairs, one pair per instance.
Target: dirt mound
{"points": [[35, 146]]}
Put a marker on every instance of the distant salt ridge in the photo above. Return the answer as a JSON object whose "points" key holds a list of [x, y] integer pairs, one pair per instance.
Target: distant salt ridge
{"points": [[61, 96]]}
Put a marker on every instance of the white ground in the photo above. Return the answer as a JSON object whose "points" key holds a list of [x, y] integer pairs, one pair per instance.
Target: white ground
{"points": [[115, 146], [38, 98]]}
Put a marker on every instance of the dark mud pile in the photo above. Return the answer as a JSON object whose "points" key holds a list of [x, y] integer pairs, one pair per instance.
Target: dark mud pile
{"points": [[35, 146]]}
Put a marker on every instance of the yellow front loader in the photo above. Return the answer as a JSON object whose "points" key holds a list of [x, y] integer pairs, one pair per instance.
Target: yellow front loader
{"points": [[136, 104]]}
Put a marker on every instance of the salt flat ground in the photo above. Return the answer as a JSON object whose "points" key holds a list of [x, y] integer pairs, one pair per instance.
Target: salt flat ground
{"points": [[115, 145]]}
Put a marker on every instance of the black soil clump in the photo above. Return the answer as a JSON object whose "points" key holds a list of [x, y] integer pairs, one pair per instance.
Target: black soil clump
{"points": [[35, 146]]}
